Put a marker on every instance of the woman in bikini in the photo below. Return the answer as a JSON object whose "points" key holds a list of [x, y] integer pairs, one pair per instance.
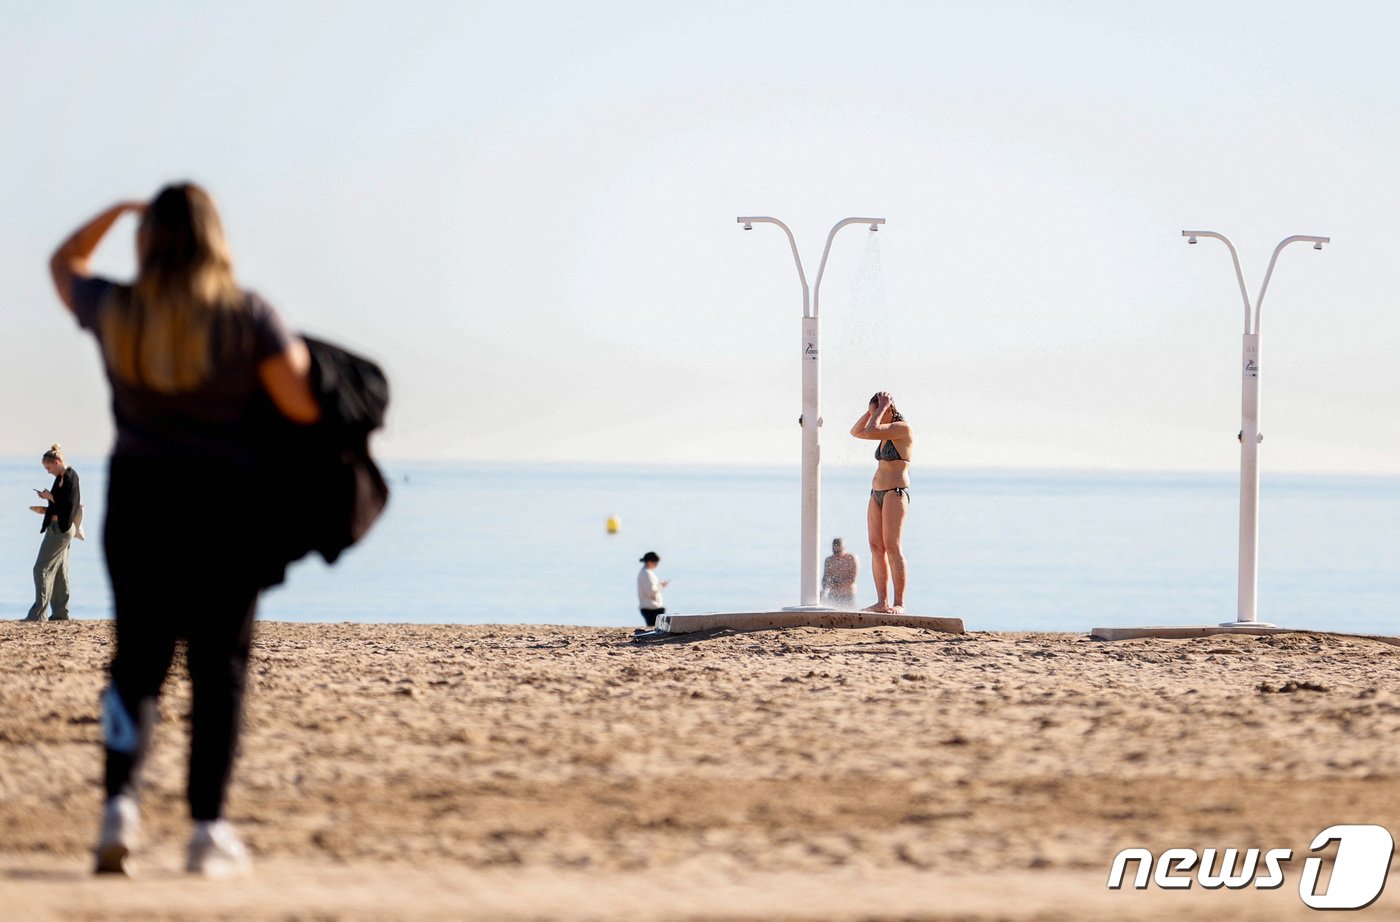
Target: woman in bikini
{"points": [[889, 497]]}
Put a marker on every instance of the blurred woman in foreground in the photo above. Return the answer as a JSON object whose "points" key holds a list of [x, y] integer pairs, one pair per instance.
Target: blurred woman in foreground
{"points": [[186, 353]]}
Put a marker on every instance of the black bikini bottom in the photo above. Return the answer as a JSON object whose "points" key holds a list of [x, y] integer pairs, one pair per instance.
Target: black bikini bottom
{"points": [[879, 495]]}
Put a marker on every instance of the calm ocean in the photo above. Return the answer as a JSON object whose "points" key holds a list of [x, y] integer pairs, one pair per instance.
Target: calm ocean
{"points": [[1006, 550]]}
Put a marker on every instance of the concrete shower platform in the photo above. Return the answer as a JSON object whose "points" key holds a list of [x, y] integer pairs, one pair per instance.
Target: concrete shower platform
{"points": [[799, 617], [1185, 632]]}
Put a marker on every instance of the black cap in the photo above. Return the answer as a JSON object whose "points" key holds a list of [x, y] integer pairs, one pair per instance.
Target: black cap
{"points": [[650, 557]]}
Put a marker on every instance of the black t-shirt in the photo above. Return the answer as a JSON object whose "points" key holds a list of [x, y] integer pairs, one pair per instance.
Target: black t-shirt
{"points": [[212, 422]]}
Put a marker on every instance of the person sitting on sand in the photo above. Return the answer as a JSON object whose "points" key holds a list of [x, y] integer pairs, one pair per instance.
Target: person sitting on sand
{"points": [[187, 354], [889, 497], [649, 589], [839, 576]]}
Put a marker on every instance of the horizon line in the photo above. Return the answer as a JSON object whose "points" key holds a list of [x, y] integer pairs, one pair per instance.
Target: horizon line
{"points": [[388, 460]]}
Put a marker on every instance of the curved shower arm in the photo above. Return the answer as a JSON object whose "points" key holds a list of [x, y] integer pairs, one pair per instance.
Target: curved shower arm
{"points": [[1317, 243], [821, 270], [1239, 273], [792, 241]]}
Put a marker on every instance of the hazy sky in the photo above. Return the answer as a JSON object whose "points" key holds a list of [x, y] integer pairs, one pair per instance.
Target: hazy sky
{"points": [[526, 212]]}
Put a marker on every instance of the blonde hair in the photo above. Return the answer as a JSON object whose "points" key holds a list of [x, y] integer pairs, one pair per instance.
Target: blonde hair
{"points": [[55, 453], [158, 333]]}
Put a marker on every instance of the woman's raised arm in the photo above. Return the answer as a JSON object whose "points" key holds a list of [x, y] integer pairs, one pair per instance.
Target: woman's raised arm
{"points": [[70, 260]]}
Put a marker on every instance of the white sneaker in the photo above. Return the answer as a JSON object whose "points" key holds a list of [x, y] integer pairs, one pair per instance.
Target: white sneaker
{"points": [[121, 826], [215, 851]]}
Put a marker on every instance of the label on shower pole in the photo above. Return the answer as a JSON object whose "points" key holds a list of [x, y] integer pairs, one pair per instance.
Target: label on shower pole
{"points": [[811, 351], [1251, 355]]}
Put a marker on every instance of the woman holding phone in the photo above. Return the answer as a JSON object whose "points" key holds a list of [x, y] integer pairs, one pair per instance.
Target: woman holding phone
{"points": [[51, 568]]}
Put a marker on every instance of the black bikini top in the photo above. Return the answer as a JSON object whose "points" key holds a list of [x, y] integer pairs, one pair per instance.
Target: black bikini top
{"points": [[887, 451]]}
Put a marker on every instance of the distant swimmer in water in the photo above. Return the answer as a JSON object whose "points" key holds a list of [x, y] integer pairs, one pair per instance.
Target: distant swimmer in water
{"points": [[839, 576], [889, 497]]}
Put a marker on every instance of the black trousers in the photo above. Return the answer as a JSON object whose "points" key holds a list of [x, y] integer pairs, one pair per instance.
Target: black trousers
{"points": [[650, 615], [179, 573]]}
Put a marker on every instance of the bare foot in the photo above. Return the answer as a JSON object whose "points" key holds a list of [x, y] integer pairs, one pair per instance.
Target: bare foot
{"points": [[879, 608], [895, 610]]}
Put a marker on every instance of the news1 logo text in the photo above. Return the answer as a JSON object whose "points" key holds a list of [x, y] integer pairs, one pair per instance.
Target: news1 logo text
{"points": [[1358, 871]]}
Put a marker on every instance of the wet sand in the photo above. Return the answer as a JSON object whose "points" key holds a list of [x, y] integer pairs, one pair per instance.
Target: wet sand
{"points": [[533, 772]]}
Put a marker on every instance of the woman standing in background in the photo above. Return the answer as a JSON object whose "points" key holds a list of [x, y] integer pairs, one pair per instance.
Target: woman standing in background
{"points": [[889, 498], [51, 567]]}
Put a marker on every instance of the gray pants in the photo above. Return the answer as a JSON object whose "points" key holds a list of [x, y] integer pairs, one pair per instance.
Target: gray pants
{"points": [[51, 574]]}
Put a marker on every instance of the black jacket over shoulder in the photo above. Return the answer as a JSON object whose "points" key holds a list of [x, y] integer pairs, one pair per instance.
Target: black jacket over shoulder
{"points": [[341, 490]]}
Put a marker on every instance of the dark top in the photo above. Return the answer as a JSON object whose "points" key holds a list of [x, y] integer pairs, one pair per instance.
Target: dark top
{"points": [[209, 423], [66, 497], [887, 451]]}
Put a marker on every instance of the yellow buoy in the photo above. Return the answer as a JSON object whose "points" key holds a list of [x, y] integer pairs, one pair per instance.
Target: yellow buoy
{"points": [[614, 523]]}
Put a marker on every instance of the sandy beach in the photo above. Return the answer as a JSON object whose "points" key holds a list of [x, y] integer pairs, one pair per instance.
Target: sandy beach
{"points": [[535, 772]]}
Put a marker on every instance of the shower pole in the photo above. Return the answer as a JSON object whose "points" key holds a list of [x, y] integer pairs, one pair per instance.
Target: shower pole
{"points": [[1247, 591], [811, 421]]}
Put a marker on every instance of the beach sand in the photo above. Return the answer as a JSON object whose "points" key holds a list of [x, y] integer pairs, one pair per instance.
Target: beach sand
{"points": [[534, 773]]}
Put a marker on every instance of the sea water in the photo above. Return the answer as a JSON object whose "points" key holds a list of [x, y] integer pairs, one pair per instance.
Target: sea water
{"points": [[1003, 549]]}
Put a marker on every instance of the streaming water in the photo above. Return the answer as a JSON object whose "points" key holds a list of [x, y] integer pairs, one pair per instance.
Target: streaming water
{"points": [[857, 355]]}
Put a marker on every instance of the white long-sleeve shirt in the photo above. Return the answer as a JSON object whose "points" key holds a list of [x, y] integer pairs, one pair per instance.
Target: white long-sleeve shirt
{"points": [[648, 589]]}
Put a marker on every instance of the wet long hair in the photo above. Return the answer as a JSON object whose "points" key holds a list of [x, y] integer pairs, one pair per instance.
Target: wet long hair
{"points": [[158, 333], [898, 417]]}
